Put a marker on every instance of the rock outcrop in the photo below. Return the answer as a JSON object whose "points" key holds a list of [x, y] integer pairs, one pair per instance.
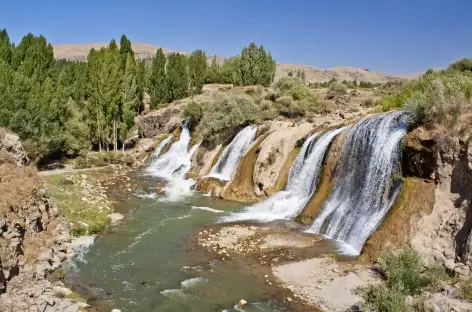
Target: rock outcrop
{"points": [[10, 143], [160, 121], [34, 240], [273, 153]]}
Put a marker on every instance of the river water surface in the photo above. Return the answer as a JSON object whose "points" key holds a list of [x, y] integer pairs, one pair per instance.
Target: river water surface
{"points": [[137, 265]]}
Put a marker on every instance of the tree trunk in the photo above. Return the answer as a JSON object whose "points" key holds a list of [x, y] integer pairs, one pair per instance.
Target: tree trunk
{"points": [[115, 143]]}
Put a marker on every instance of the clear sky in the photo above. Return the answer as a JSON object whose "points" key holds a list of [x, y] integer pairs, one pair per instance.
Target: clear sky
{"points": [[400, 36]]}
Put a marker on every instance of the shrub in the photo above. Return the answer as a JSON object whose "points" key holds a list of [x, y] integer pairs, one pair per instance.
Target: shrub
{"points": [[284, 84], [369, 102], [405, 271], [436, 104], [336, 89], [289, 107], [300, 92], [226, 112], [80, 163], [255, 92], [268, 111], [463, 65], [466, 288], [193, 111], [380, 298]]}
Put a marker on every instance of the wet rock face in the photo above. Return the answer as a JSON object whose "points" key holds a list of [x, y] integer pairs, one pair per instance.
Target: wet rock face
{"points": [[162, 121], [419, 157], [273, 154]]}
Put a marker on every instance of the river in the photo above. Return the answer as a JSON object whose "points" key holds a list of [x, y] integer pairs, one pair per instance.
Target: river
{"points": [[149, 261]]}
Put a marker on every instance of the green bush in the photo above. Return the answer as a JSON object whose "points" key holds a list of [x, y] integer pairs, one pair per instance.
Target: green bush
{"points": [[268, 110], [405, 271], [463, 65], [289, 107], [336, 89], [436, 104], [284, 84], [300, 92], [466, 288], [369, 102], [379, 298], [193, 111], [226, 112]]}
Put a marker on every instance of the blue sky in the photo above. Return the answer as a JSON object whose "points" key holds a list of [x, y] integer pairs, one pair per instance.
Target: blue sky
{"points": [[402, 36]]}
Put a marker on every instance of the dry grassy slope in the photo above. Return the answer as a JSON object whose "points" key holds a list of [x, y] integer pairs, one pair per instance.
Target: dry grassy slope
{"points": [[143, 50]]}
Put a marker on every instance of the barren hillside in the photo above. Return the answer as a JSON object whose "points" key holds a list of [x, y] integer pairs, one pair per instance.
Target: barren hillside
{"points": [[143, 50]]}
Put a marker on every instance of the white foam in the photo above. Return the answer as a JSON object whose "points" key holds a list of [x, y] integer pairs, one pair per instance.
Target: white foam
{"points": [[81, 245], [207, 209], [173, 293], [192, 282]]}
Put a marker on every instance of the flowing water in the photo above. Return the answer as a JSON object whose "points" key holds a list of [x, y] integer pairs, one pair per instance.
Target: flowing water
{"points": [[368, 180], [232, 154], [174, 165], [137, 265], [157, 152], [302, 181]]}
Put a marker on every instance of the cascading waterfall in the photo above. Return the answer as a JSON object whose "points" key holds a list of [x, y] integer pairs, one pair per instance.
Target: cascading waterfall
{"points": [[302, 182], [155, 155], [175, 160], [367, 181], [174, 165], [232, 154]]}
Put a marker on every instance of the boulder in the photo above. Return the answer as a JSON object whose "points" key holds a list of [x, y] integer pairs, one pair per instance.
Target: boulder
{"points": [[11, 144]]}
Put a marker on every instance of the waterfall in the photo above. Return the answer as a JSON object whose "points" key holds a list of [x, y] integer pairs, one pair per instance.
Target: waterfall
{"points": [[157, 151], [174, 165], [175, 160], [367, 181], [301, 185], [232, 154]]}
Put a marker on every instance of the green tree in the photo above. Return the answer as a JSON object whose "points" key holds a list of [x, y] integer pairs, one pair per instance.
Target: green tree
{"points": [[197, 67], [177, 76], [158, 80], [130, 100], [125, 49], [5, 46], [33, 57]]}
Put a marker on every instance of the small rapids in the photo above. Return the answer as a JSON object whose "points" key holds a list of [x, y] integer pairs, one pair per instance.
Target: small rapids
{"points": [[232, 154], [302, 182], [367, 182]]}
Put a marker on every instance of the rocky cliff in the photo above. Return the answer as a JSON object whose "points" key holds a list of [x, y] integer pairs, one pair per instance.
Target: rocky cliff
{"points": [[34, 240]]}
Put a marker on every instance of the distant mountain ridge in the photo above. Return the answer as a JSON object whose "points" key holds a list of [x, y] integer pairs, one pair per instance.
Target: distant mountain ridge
{"points": [[79, 52]]}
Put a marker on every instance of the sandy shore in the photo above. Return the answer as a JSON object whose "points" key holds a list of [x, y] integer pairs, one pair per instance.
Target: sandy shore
{"points": [[301, 265]]}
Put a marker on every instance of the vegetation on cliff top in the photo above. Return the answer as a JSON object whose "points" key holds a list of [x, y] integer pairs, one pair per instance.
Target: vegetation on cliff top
{"points": [[404, 274], [434, 98]]}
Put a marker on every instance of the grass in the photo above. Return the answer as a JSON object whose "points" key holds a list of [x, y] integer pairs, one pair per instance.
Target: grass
{"points": [[102, 159], [85, 216], [405, 274]]}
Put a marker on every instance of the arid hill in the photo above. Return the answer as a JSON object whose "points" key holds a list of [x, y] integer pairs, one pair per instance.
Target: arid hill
{"points": [[143, 50]]}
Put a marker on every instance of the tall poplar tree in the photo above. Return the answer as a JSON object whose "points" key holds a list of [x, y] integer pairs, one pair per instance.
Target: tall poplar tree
{"points": [[177, 76], [197, 67], [129, 100], [125, 49], [158, 81]]}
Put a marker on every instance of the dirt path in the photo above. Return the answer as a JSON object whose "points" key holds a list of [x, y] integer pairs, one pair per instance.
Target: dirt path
{"points": [[67, 169]]}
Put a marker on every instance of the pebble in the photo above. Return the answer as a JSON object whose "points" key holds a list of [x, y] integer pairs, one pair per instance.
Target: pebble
{"points": [[289, 299], [242, 303]]}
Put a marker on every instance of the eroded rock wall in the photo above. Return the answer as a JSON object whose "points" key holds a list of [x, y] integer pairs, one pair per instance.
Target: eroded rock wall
{"points": [[273, 154], [33, 239]]}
